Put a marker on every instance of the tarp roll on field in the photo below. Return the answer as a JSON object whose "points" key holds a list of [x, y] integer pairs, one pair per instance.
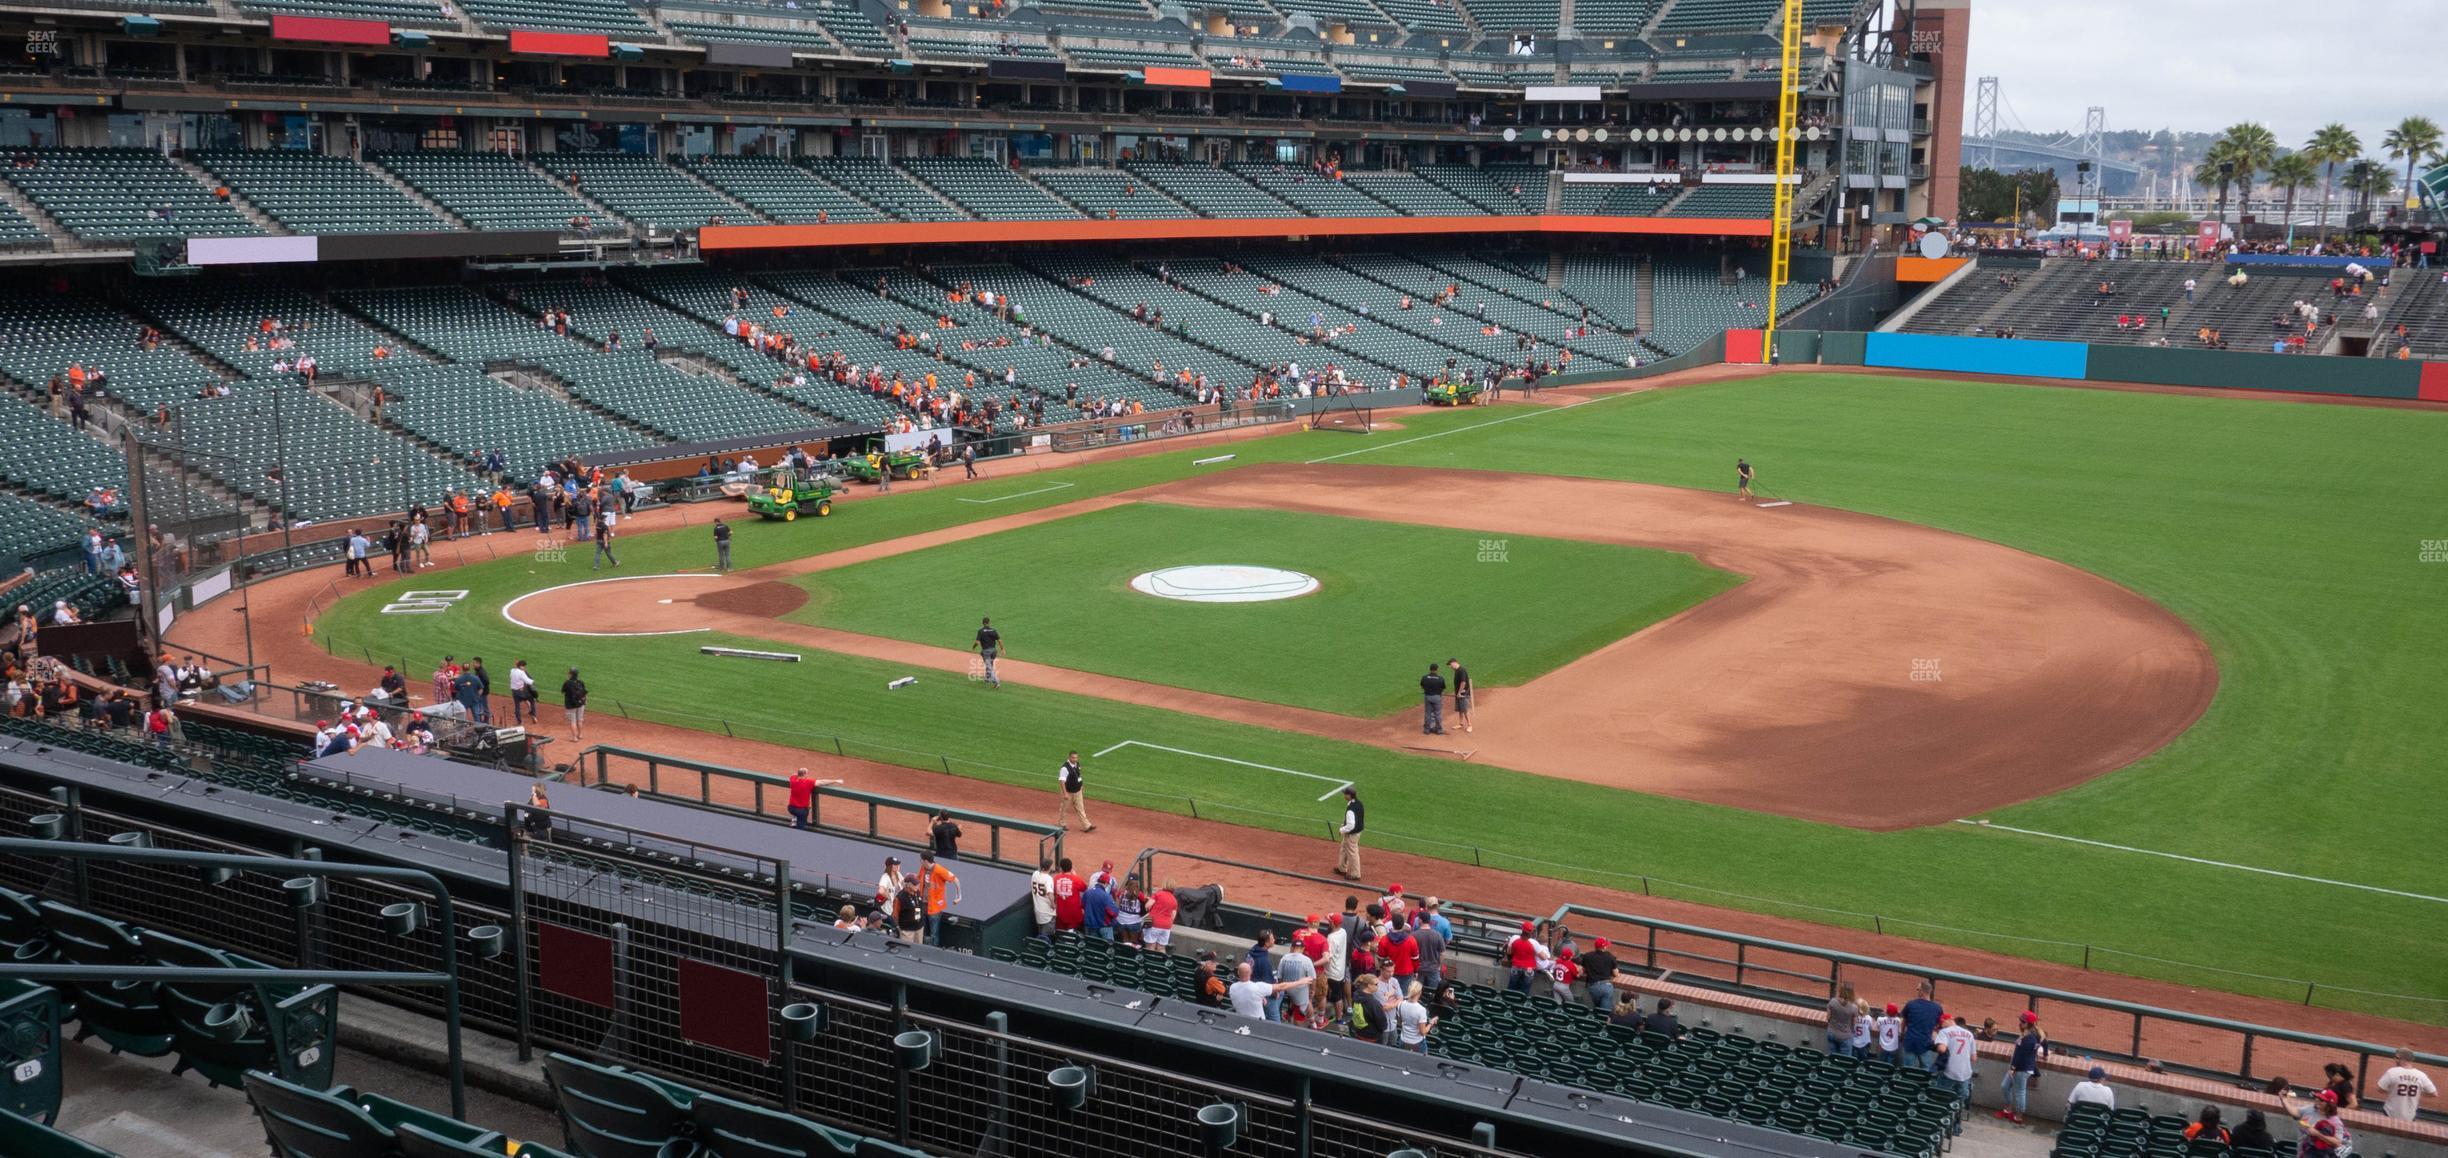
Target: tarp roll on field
{"points": [[2007, 356]]}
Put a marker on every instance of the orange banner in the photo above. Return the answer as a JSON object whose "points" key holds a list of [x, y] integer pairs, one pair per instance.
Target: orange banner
{"points": [[1178, 77], [746, 237], [1926, 269]]}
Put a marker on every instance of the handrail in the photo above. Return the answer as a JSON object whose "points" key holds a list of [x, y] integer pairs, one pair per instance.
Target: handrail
{"points": [[2033, 994], [447, 977], [1049, 842], [1472, 921]]}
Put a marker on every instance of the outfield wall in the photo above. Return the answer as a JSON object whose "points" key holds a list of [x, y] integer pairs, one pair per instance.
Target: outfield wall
{"points": [[2084, 362]]}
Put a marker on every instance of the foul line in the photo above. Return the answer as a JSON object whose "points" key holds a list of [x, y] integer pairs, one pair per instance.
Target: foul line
{"points": [[1339, 785], [1023, 494], [1473, 426], [505, 611], [2212, 863]]}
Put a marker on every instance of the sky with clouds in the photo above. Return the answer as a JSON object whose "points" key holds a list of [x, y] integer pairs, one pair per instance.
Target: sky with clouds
{"points": [[2203, 65]]}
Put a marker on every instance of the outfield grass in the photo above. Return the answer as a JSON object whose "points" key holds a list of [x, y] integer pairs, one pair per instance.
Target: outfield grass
{"points": [[2287, 534], [1391, 599]]}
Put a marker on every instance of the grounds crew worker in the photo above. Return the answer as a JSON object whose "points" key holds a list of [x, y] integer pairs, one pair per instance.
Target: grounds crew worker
{"points": [[722, 545], [1074, 798], [1355, 821], [990, 645]]}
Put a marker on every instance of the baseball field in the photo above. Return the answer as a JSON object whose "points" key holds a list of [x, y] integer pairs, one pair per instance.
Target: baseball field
{"points": [[2182, 653]]}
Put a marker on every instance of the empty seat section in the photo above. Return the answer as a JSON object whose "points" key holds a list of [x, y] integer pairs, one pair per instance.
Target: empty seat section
{"points": [[783, 191], [988, 190], [644, 190], [458, 323], [1210, 191], [1412, 195], [1481, 304], [471, 412], [807, 36], [1486, 190], [1313, 193], [1357, 13], [1624, 16], [611, 17], [491, 191], [1107, 58], [120, 194], [1714, 200], [312, 193], [29, 528], [1718, 15], [706, 297], [885, 187], [337, 464], [684, 406], [19, 231], [419, 13], [1111, 193], [1503, 17], [1424, 15], [1694, 303]]}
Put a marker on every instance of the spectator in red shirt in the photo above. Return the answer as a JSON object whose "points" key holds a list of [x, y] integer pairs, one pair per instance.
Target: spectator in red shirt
{"points": [[1402, 949], [1069, 891], [1521, 959], [803, 796], [1162, 907]]}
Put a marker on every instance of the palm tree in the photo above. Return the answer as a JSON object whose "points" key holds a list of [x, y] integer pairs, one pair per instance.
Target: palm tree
{"points": [[2288, 174], [2254, 147], [2416, 139], [2218, 167], [2369, 180], [2331, 145]]}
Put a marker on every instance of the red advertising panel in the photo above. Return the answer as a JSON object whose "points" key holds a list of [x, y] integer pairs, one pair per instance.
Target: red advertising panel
{"points": [[330, 30], [2120, 230], [1179, 77], [2206, 236], [560, 43]]}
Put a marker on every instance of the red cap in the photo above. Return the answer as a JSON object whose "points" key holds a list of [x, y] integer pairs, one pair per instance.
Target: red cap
{"points": [[2328, 1097], [2030, 1018], [1891, 1009], [1600, 942], [1311, 919], [1393, 888], [1528, 927], [322, 723]]}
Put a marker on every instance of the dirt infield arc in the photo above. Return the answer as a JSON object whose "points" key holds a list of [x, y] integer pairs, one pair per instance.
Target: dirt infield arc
{"points": [[1868, 672]]}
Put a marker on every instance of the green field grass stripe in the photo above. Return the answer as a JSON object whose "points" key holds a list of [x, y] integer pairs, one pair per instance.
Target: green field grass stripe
{"points": [[1339, 785], [2206, 861], [1047, 490], [1471, 427]]}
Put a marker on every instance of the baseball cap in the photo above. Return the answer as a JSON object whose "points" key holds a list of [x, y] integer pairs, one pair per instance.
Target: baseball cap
{"points": [[892, 860], [1432, 902], [2030, 1018], [1311, 919], [1600, 942], [2098, 1072], [1891, 1009], [2328, 1097], [1393, 888], [1529, 927]]}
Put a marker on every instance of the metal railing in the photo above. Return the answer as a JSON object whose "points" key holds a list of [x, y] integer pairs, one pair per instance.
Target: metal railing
{"points": [[294, 869], [693, 782], [1766, 966]]}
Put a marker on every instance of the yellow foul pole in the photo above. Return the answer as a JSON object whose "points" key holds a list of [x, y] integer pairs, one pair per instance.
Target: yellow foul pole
{"points": [[1780, 237]]}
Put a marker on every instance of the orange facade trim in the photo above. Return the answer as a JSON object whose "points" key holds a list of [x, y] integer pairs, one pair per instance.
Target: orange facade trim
{"points": [[746, 237], [1178, 77], [1917, 270]]}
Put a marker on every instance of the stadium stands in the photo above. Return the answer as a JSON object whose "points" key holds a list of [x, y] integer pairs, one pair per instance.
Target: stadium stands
{"points": [[313, 193], [783, 191], [643, 190], [1411, 195], [614, 18], [1694, 303], [29, 528], [1690, 16], [2420, 303], [1874, 1105], [988, 190], [1311, 192], [491, 191], [120, 194], [1716, 200], [885, 187], [414, 13], [1111, 193], [468, 412], [1210, 191]]}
